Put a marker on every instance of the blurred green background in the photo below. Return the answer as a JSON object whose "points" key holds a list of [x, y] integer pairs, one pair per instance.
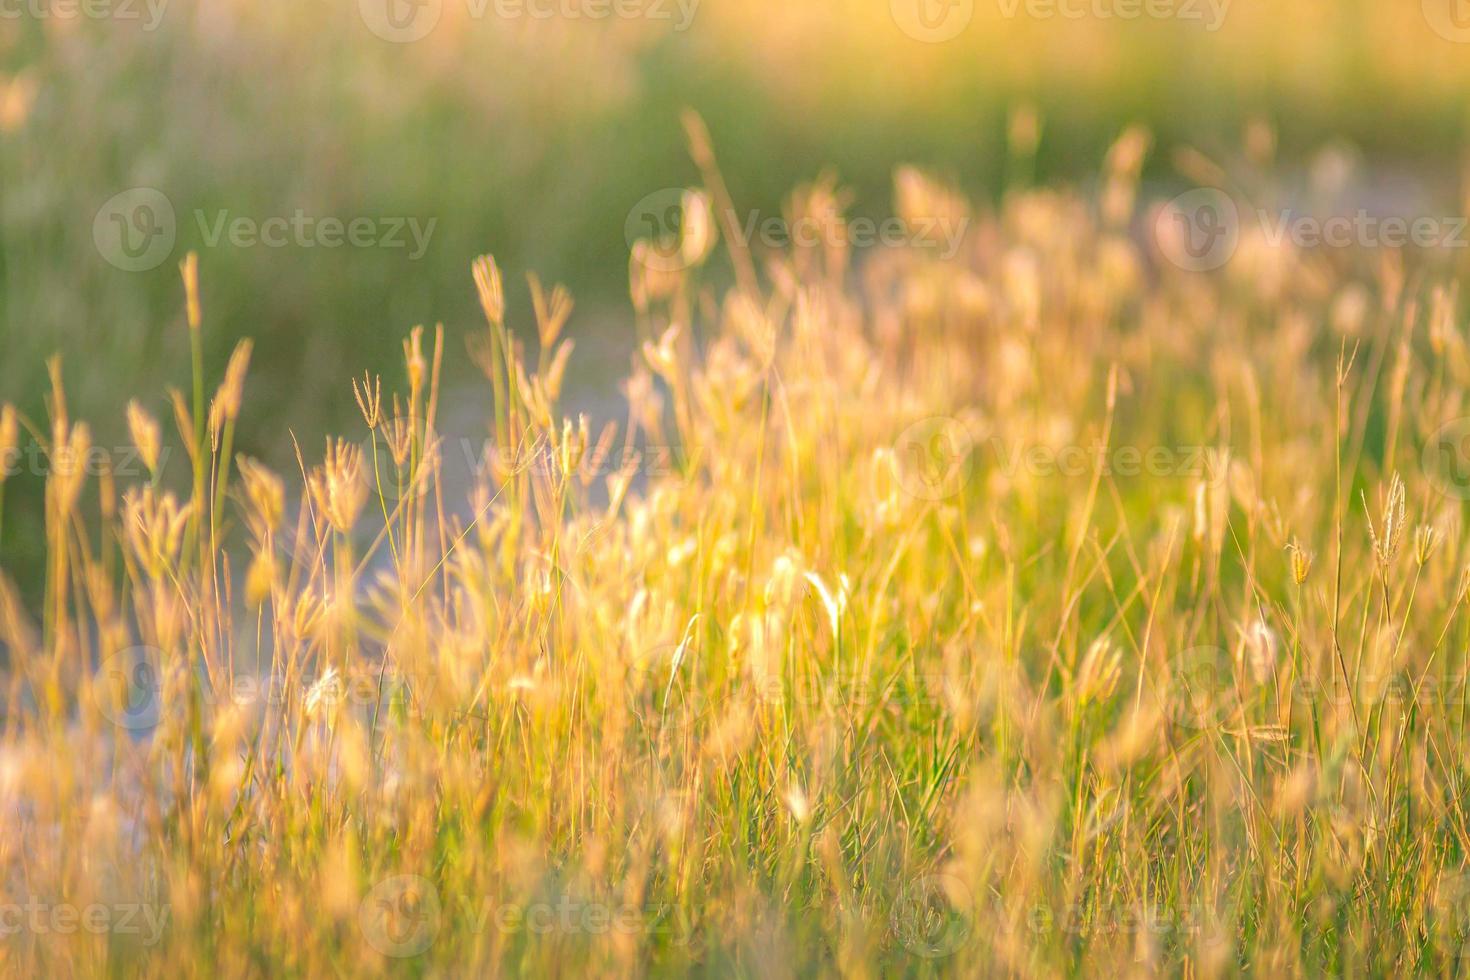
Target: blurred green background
{"points": [[531, 137]]}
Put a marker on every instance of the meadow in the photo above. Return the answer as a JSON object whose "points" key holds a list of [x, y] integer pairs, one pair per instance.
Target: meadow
{"points": [[1073, 600]]}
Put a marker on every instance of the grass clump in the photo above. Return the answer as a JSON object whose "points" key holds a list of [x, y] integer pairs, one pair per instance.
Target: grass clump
{"points": [[1041, 607]]}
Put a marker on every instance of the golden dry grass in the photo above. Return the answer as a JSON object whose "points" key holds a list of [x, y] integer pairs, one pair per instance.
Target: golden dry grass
{"points": [[1043, 608]]}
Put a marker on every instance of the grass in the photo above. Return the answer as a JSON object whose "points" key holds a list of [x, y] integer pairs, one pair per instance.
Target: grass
{"points": [[531, 159], [1044, 609]]}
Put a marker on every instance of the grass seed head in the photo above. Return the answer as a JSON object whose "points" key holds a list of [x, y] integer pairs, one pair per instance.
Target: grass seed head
{"points": [[264, 493], [68, 473], [1301, 562], [369, 399], [189, 269], [413, 359], [1261, 649], [488, 285], [146, 435], [260, 580], [1388, 535], [154, 522], [337, 486], [1426, 538], [232, 389], [551, 311], [697, 229]]}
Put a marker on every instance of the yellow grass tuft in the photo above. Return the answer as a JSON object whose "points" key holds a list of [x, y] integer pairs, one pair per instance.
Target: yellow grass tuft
{"points": [[938, 612]]}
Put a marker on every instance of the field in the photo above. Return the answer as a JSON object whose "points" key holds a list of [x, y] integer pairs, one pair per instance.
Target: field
{"points": [[1068, 576], [1045, 605]]}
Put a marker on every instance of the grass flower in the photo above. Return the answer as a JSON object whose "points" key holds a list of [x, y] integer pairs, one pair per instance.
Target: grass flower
{"points": [[1388, 536], [338, 486], [785, 713]]}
